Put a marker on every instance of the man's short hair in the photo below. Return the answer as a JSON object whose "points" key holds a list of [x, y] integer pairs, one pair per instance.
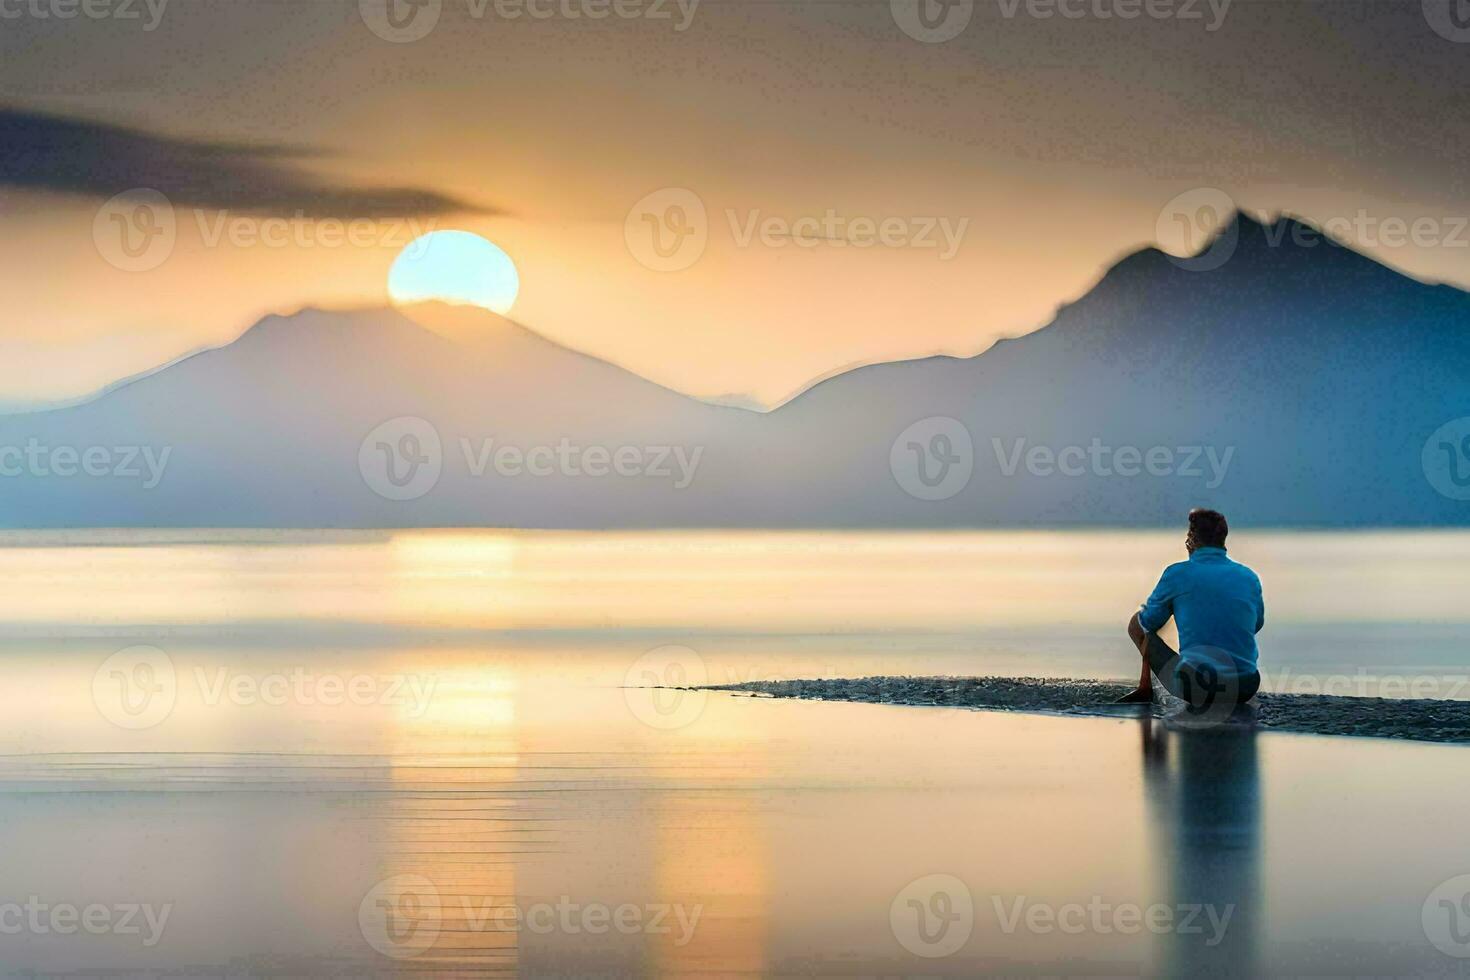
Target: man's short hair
{"points": [[1207, 528]]}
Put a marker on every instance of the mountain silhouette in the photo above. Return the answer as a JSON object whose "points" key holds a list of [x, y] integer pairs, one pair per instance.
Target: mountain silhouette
{"points": [[1285, 379]]}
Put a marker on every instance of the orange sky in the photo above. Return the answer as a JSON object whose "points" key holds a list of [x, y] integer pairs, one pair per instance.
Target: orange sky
{"points": [[951, 193]]}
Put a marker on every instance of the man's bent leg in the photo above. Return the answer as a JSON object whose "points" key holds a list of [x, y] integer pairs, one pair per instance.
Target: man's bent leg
{"points": [[1145, 691]]}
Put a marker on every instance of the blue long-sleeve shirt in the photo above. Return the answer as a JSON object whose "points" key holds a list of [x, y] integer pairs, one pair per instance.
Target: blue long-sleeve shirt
{"points": [[1217, 605]]}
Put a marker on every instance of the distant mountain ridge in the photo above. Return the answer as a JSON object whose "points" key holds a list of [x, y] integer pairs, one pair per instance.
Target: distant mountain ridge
{"points": [[1290, 384]]}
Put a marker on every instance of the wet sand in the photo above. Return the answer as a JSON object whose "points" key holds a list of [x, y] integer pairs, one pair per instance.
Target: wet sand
{"points": [[1424, 720]]}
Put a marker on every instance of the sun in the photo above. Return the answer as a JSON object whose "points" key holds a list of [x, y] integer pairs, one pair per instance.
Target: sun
{"points": [[457, 267]]}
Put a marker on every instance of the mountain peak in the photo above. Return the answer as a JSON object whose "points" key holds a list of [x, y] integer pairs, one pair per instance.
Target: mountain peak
{"points": [[1280, 230], [1255, 245], [315, 319], [431, 322], [468, 325], [1270, 383]]}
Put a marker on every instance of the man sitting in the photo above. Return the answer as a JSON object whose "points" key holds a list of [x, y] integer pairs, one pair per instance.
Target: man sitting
{"points": [[1217, 605]]}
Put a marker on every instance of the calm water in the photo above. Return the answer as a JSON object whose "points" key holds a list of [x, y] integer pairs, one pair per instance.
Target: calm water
{"points": [[370, 754]]}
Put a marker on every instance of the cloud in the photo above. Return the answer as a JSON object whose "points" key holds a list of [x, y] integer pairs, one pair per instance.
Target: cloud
{"points": [[93, 159]]}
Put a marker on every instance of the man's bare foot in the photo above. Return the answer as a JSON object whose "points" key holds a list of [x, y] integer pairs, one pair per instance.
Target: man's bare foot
{"points": [[1137, 696]]}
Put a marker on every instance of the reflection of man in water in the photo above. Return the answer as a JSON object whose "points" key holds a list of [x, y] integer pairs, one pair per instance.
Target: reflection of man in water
{"points": [[1205, 802], [1217, 605]]}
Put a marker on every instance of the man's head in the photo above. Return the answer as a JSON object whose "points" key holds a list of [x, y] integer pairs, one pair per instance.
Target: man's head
{"points": [[1207, 529]]}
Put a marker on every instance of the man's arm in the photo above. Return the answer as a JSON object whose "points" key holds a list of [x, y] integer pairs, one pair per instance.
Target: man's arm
{"points": [[1260, 607], [1154, 613], [1159, 606]]}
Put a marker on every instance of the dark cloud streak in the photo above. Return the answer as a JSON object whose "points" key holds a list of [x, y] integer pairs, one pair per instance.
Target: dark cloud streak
{"points": [[92, 159]]}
